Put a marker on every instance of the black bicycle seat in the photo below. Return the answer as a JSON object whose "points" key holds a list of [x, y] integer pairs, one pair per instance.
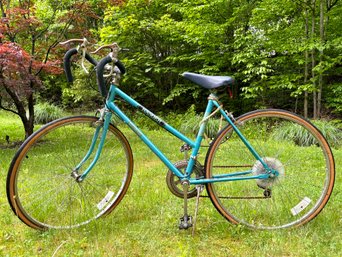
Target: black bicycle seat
{"points": [[209, 82]]}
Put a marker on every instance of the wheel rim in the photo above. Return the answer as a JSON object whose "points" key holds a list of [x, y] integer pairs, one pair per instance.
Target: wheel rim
{"points": [[47, 196], [294, 199]]}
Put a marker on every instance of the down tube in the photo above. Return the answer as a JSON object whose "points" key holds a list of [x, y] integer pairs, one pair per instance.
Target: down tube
{"points": [[145, 139]]}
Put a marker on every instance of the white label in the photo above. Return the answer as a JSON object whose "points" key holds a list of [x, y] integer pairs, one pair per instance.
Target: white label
{"points": [[301, 206], [105, 200]]}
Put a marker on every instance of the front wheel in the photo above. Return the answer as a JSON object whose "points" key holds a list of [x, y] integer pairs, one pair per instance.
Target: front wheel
{"points": [[41, 187], [286, 143]]}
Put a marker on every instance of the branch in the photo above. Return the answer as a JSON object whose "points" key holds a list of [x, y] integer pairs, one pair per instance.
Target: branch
{"points": [[16, 101], [304, 4], [55, 43], [3, 14], [7, 109], [330, 5]]}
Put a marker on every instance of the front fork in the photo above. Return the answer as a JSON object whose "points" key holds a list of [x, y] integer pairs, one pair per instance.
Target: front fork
{"points": [[102, 123]]}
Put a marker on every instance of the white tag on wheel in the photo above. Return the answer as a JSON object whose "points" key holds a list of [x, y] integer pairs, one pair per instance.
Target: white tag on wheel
{"points": [[105, 200], [301, 206]]}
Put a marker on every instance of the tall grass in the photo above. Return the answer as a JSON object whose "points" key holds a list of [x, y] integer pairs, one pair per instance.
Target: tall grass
{"points": [[330, 131], [45, 112]]}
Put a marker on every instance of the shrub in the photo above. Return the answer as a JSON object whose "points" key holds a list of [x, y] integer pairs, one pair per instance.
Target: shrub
{"points": [[192, 122], [329, 129], [45, 112]]}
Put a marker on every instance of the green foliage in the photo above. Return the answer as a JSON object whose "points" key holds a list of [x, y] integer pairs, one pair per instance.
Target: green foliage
{"points": [[270, 53], [45, 112], [334, 100], [168, 38], [260, 43], [83, 92]]}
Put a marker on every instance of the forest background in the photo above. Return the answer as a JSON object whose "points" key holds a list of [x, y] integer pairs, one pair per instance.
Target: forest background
{"points": [[283, 54]]}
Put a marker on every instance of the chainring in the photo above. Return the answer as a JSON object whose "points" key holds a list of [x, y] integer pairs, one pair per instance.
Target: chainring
{"points": [[174, 183]]}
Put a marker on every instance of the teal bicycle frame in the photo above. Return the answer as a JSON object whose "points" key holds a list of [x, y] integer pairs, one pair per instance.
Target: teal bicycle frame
{"points": [[195, 145]]}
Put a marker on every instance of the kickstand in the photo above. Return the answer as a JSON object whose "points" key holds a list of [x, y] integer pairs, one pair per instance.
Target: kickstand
{"points": [[186, 220], [199, 190]]}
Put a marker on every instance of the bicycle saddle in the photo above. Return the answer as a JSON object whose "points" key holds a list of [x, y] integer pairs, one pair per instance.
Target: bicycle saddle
{"points": [[209, 82]]}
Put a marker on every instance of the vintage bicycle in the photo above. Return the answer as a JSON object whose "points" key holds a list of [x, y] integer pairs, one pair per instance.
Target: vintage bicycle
{"points": [[76, 169]]}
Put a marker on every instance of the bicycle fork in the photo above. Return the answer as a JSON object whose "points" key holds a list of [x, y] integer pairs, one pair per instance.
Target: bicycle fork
{"points": [[102, 123]]}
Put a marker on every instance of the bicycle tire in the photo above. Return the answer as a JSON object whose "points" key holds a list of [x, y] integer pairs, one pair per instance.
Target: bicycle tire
{"points": [[287, 143], [40, 188]]}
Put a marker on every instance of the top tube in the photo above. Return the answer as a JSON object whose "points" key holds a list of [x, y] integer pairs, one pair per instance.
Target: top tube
{"points": [[114, 90]]}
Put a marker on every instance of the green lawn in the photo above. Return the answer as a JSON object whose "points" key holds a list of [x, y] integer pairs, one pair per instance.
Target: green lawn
{"points": [[146, 221]]}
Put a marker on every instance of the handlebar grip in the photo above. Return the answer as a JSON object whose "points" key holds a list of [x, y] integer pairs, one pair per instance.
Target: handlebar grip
{"points": [[99, 73], [67, 64], [91, 59], [120, 66]]}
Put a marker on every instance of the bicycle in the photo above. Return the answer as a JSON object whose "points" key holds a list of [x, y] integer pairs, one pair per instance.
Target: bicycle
{"points": [[252, 175]]}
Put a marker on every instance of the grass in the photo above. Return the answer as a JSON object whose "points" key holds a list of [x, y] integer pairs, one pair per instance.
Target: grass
{"points": [[145, 223]]}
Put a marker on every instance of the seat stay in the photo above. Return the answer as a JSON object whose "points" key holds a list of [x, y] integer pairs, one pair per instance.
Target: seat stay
{"points": [[243, 139]]}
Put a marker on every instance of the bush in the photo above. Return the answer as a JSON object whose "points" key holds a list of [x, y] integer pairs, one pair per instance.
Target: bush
{"points": [[45, 112], [329, 129], [192, 121]]}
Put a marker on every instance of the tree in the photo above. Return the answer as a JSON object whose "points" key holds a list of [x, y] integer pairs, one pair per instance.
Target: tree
{"points": [[29, 33], [289, 51], [167, 38]]}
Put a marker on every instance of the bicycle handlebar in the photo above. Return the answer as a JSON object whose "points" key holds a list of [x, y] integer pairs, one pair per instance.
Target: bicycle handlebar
{"points": [[100, 66], [67, 63], [100, 69]]}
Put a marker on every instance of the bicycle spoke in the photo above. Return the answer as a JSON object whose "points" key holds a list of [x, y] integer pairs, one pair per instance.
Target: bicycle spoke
{"points": [[305, 173], [48, 196]]}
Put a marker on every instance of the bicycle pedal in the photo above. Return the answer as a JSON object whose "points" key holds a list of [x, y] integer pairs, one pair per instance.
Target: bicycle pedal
{"points": [[185, 222]]}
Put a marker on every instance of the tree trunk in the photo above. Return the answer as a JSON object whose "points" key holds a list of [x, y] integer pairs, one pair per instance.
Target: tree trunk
{"points": [[321, 52], [306, 70], [313, 61], [30, 104], [21, 111]]}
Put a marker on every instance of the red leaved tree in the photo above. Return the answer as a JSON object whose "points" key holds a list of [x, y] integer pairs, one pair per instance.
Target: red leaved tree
{"points": [[19, 82], [28, 50]]}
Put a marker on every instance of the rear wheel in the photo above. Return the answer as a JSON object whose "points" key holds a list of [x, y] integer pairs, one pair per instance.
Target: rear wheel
{"points": [[288, 144], [41, 189]]}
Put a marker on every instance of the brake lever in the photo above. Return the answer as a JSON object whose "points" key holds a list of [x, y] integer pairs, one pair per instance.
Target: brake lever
{"points": [[83, 46], [114, 50]]}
